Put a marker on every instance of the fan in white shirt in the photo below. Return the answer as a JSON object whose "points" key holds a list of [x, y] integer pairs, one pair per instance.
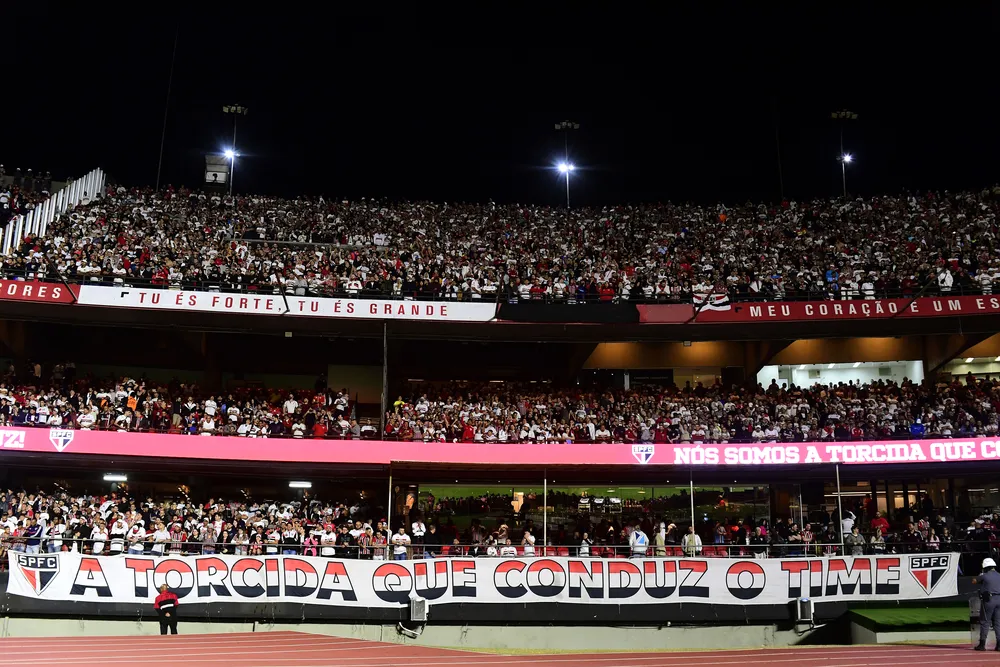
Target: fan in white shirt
{"points": [[100, 536], [327, 540], [55, 535], [160, 537], [400, 541], [273, 539], [528, 542], [418, 529], [136, 535]]}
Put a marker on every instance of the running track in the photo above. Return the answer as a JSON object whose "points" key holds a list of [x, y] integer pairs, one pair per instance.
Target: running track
{"points": [[297, 649]]}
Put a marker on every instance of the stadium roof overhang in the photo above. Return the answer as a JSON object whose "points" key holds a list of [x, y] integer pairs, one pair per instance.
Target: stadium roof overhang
{"points": [[497, 330]]}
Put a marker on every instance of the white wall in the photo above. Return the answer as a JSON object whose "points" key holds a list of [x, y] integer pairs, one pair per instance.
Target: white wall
{"points": [[978, 367], [491, 637], [869, 372]]}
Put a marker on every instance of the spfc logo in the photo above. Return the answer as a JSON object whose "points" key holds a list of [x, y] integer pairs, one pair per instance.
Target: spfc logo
{"points": [[643, 453], [60, 438], [928, 570], [39, 571]]}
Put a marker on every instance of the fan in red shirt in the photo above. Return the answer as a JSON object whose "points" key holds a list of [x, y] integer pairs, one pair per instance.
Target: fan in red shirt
{"points": [[880, 523], [166, 604]]}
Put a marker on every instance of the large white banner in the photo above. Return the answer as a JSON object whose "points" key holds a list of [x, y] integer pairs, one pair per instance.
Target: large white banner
{"points": [[221, 579], [274, 304]]}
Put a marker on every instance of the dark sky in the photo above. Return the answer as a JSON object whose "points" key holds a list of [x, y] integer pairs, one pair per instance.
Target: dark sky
{"points": [[460, 105]]}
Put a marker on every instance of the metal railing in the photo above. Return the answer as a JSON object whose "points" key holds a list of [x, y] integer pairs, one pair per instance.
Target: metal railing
{"points": [[222, 429], [970, 552], [503, 294], [37, 220]]}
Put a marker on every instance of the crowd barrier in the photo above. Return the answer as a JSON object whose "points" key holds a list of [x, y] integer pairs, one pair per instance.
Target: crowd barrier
{"points": [[225, 431], [969, 550], [502, 297], [90, 186]]}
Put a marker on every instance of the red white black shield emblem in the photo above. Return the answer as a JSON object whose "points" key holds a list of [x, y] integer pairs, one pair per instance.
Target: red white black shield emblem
{"points": [[928, 570], [38, 570]]}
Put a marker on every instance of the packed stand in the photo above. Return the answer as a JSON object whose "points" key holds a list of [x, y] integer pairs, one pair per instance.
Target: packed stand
{"points": [[131, 404], [21, 192], [944, 242], [116, 522], [539, 412], [512, 412]]}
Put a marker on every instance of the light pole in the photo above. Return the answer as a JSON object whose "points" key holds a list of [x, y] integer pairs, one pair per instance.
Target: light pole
{"points": [[231, 156], [166, 106], [236, 110], [845, 158], [566, 127], [566, 168]]}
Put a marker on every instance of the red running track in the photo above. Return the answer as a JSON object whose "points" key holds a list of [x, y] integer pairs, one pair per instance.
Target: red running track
{"points": [[298, 649]]}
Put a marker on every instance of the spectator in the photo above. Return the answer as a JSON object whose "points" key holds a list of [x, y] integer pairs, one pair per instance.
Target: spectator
{"points": [[855, 542], [508, 550], [99, 537], [432, 542], [585, 544], [528, 543], [660, 541], [878, 542], [166, 604], [55, 533], [847, 523], [365, 541], [33, 535], [691, 543], [933, 541], [400, 544], [208, 542], [879, 523], [327, 541], [418, 529], [639, 543]]}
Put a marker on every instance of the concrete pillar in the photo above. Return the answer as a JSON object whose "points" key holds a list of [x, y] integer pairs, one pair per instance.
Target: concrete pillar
{"points": [[210, 357], [757, 354], [13, 337], [939, 350]]}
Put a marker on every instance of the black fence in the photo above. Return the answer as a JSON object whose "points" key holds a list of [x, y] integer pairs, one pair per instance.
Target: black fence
{"points": [[503, 294]]}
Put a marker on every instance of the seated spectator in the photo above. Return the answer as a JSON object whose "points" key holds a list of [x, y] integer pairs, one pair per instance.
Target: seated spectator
{"points": [[817, 249]]}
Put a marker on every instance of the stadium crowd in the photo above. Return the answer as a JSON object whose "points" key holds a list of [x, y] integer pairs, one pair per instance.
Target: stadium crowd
{"points": [[858, 248], [130, 404], [116, 522], [539, 413], [21, 193], [514, 412]]}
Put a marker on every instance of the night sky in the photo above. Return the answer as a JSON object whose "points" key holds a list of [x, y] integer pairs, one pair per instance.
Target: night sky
{"points": [[460, 106]]}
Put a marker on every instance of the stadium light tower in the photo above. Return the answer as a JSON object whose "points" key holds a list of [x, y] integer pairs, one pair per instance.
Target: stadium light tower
{"points": [[236, 110], [231, 155], [566, 168], [566, 127], [842, 117], [845, 159]]}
